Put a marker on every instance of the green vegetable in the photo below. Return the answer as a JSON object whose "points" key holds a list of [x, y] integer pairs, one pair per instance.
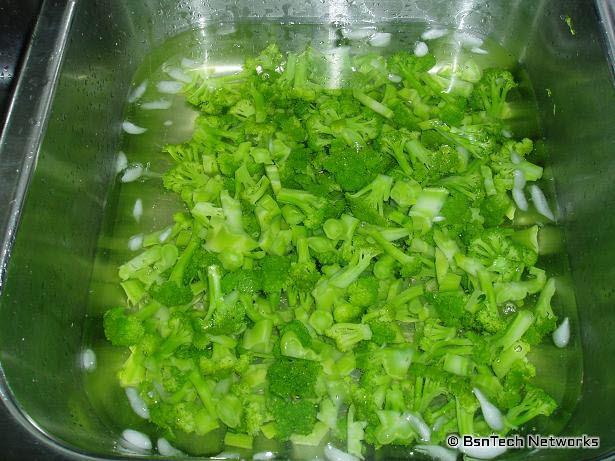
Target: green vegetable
{"points": [[346, 265]]}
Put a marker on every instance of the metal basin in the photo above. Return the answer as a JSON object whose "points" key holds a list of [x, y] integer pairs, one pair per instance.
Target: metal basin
{"points": [[57, 156]]}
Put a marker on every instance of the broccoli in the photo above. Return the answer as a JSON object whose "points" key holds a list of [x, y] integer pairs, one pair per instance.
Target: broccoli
{"points": [[383, 332], [348, 263], [224, 316], [353, 167], [170, 293], [275, 271], [292, 378], [450, 307], [494, 209], [292, 416], [122, 329], [393, 142], [368, 204], [243, 280], [491, 91], [346, 335], [536, 402], [433, 165], [546, 320], [363, 292]]}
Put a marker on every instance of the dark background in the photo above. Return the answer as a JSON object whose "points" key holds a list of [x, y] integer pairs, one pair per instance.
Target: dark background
{"points": [[17, 19]]}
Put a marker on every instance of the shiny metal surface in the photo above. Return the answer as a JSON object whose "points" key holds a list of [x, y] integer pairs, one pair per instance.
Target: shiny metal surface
{"points": [[56, 165]]}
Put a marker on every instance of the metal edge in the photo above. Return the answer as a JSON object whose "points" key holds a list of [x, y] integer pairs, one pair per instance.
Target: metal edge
{"points": [[20, 144], [606, 16], [605, 10], [41, 80], [25, 125]]}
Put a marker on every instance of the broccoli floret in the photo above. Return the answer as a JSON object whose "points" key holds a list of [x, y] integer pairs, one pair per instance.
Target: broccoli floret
{"points": [[197, 266], [312, 206], [180, 333], [244, 281], [121, 328], [495, 208], [393, 142], [410, 264], [353, 167], [170, 293], [347, 335], [291, 378], [358, 264], [189, 417], [412, 68], [364, 291], [368, 204], [491, 91], [450, 306], [536, 402], [383, 332], [303, 272], [432, 165], [345, 312], [292, 416], [275, 271], [500, 254], [300, 330]]}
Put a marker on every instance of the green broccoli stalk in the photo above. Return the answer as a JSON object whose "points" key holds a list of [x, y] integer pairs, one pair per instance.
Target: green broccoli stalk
{"points": [[466, 406], [355, 434], [505, 361], [410, 265], [227, 238], [428, 204], [311, 206], [516, 329], [349, 274], [546, 320], [223, 316], [374, 105]]}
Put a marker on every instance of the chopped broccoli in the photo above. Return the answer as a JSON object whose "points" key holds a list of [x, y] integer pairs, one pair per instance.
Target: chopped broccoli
{"points": [[349, 263]]}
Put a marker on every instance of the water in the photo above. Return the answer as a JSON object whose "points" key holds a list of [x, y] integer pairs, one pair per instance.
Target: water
{"points": [[222, 48]]}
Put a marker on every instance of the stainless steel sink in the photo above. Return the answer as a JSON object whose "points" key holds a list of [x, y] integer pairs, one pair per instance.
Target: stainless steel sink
{"points": [[57, 157]]}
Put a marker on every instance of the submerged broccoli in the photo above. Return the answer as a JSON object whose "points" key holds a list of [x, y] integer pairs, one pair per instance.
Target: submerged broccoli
{"points": [[347, 265]]}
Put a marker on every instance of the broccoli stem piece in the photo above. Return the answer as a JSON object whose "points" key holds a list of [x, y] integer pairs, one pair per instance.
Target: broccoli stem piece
{"points": [[202, 389], [389, 248], [505, 360], [360, 262], [374, 105], [177, 274], [517, 328], [428, 204], [232, 212]]}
